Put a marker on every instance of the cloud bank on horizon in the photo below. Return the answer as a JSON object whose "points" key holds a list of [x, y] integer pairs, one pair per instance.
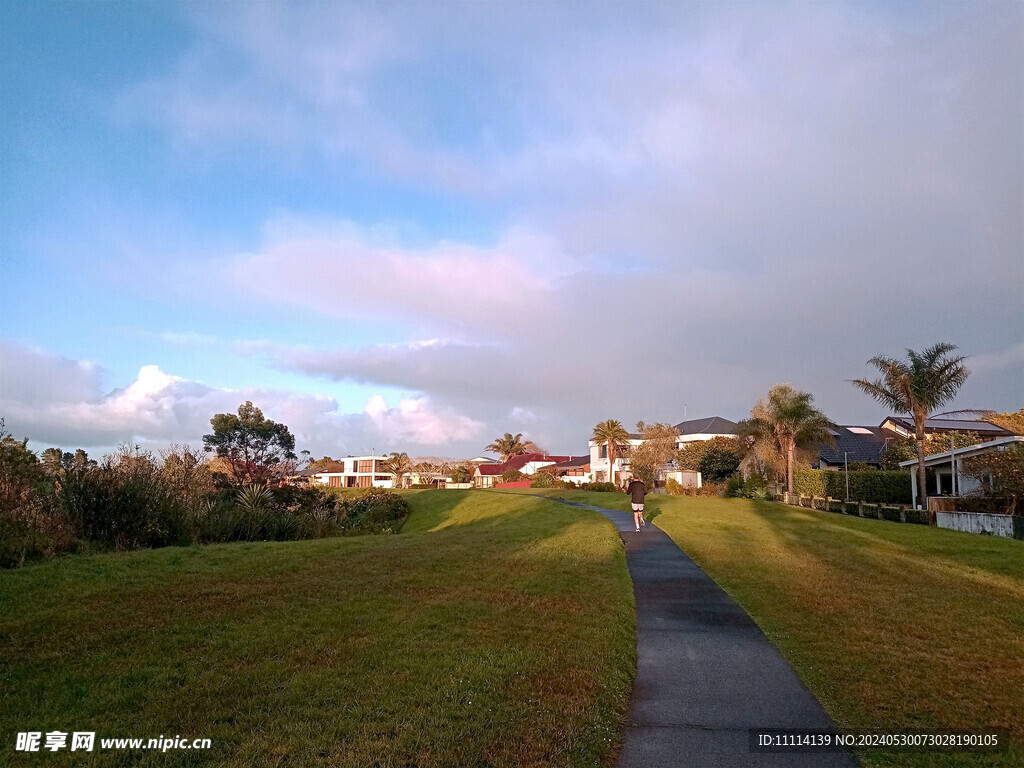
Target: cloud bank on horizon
{"points": [[418, 227]]}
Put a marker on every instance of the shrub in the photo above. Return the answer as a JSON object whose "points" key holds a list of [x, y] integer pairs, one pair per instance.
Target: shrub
{"points": [[599, 487], [754, 487], [513, 476], [32, 526], [544, 480], [32, 531], [675, 488], [711, 489], [126, 509], [376, 511]]}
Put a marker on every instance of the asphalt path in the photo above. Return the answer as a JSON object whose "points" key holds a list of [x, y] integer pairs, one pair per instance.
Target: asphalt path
{"points": [[706, 674]]}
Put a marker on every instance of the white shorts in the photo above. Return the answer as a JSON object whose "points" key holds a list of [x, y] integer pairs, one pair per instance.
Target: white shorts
{"points": [[638, 507]]}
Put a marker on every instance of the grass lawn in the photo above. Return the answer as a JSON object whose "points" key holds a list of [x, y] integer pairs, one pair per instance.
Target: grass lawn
{"points": [[892, 626], [493, 630]]}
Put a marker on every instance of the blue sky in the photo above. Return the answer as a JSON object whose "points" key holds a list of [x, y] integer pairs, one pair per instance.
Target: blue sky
{"points": [[418, 226]]}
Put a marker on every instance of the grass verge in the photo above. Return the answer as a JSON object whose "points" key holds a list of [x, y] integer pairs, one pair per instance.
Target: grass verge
{"points": [[492, 630], [892, 626]]}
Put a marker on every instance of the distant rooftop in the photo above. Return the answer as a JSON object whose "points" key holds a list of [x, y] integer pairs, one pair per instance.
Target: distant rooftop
{"points": [[712, 425], [952, 425]]}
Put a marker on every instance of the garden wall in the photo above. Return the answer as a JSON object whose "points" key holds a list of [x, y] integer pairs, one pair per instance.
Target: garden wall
{"points": [[976, 522]]}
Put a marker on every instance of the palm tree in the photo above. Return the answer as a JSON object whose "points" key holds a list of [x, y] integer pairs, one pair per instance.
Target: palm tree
{"points": [[398, 465], [507, 446], [615, 436], [784, 422], [917, 386]]}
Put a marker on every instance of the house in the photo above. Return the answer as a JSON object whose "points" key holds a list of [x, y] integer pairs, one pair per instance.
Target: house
{"points": [[690, 431], [575, 470], [355, 472], [945, 470], [487, 475]]}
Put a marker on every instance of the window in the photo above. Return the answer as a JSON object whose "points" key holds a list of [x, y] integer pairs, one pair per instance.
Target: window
{"points": [[334, 481], [365, 465], [365, 481]]}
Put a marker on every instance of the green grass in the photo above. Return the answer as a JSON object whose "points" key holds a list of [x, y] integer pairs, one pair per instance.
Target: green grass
{"points": [[492, 630], [892, 626]]}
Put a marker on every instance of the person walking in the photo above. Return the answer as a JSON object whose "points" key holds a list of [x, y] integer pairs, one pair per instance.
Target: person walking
{"points": [[637, 490]]}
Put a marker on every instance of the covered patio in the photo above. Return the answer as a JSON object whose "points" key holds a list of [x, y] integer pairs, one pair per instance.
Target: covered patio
{"points": [[947, 468]]}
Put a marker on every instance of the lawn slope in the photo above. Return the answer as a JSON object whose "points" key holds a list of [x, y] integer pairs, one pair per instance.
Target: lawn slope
{"points": [[892, 626], [493, 630]]}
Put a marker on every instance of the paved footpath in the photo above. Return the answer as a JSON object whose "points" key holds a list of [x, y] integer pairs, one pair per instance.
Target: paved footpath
{"points": [[705, 673]]}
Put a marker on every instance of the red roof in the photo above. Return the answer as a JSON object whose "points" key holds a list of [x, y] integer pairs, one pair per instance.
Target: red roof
{"points": [[518, 462]]}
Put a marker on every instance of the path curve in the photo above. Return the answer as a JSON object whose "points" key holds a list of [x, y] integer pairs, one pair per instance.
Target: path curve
{"points": [[706, 674]]}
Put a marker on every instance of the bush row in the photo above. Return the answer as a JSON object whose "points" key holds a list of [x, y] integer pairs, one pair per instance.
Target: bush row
{"points": [[865, 485], [674, 488], [111, 507]]}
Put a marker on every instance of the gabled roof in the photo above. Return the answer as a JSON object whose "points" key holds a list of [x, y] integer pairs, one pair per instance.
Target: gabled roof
{"points": [[859, 444], [713, 425], [518, 462]]}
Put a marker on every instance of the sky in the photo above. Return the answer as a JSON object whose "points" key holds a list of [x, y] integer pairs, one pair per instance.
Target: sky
{"points": [[417, 226]]}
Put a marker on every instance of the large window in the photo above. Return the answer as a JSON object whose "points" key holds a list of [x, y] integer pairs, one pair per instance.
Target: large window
{"points": [[365, 465], [365, 481], [334, 481]]}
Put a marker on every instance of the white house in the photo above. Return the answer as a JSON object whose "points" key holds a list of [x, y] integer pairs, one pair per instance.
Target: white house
{"points": [[356, 472], [692, 431]]}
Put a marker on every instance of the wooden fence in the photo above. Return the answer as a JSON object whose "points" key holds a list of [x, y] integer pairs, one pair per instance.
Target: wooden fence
{"points": [[896, 513]]}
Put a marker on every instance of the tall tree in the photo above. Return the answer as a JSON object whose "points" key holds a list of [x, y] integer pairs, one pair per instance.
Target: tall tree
{"points": [[716, 459], [508, 446], [255, 446], [612, 434], [462, 473], [785, 421], [657, 449], [398, 465], [917, 386]]}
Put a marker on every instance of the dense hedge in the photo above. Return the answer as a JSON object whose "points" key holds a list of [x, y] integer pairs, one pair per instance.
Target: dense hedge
{"points": [[599, 487], [544, 480], [376, 511], [865, 485]]}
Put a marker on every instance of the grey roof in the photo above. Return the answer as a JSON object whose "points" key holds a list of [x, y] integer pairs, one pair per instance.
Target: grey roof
{"points": [[858, 446], [713, 425], [950, 425]]}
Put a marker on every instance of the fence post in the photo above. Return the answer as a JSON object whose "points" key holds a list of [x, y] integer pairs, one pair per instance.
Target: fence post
{"points": [[860, 509], [903, 514]]}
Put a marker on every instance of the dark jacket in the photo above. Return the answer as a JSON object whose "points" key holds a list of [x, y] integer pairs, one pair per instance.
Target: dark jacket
{"points": [[637, 490]]}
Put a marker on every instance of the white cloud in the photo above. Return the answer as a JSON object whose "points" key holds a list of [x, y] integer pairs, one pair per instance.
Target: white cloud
{"points": [[416, 420], [340, 270], [159, 408]]}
